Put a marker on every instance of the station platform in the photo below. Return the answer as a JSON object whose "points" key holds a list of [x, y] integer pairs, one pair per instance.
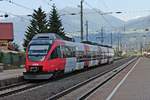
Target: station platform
{"points": [[133, 83], [11, 76]]}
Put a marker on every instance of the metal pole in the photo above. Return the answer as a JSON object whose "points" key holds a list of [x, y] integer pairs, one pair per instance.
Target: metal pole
{"points": [[81, 20], [120, 38], [141, 48], [102, 35], [118, 42], [86, 30], [111, 39]]}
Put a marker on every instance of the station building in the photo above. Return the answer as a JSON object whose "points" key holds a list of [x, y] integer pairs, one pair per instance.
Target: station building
{"points": [[6, 36]]}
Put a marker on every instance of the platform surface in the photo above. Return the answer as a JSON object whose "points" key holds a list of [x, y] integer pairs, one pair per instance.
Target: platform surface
{"points": [[7, 74], [131, 84], [137, 85]]}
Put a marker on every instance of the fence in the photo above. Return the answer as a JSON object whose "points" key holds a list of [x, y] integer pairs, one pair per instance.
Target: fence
{"points": [[11, 59]]}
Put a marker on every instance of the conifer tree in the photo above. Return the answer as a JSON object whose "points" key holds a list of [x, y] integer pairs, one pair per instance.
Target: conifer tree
{"points": [[55, 24], [38, 24]]}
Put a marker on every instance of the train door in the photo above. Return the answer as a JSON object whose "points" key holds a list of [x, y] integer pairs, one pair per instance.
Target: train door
{"points": [[111, 54], [86, 61], [79, 56], [99, 55], [108, 55], [56, 61], [104, 55], [69, 55], [96, 55]]}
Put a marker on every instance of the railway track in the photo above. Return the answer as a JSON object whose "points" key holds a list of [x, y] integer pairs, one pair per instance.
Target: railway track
{"points": [[25, 85], [108, 75], [14, 88], [19, 87], [12, 85]]}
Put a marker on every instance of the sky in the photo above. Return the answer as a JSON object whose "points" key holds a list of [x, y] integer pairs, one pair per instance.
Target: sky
{"points": [[130, 9]]}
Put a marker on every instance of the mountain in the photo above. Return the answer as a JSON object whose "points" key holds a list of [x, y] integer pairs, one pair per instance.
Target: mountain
{"points": [[71, 23], [139, 23]]}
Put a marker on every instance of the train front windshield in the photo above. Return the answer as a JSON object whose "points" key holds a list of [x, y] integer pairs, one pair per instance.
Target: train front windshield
{"points": [[37, 52]]}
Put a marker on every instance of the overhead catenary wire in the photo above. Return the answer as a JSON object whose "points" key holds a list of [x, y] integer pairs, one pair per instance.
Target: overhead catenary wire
{"points": [[9, 13], [19, 5], [101, 14], [105, 4]]}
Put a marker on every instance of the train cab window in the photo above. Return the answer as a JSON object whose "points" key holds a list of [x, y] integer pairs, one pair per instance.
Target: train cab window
{"points": [[56, 53]]}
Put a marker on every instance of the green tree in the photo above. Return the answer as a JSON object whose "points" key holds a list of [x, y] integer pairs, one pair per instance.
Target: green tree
{"points": [[16, 46], [55, 24], [38, 24]]}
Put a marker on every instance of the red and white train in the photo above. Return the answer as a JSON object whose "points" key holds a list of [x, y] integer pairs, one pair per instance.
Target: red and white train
{"points": [[47, 54]]}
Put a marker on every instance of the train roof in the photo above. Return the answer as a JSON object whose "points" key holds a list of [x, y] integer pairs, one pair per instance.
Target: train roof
{"points": [[93, 43], [44, 38], [54, 36], [49, 36]]}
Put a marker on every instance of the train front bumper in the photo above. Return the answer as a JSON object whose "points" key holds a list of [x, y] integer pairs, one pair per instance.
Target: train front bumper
{"points": [[37, 76]]}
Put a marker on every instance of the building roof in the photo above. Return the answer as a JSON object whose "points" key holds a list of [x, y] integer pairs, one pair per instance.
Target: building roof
{"points": [[6, 31]]}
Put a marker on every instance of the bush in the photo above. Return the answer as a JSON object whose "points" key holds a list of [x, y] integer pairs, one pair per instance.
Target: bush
{"points": [[1, 57]]}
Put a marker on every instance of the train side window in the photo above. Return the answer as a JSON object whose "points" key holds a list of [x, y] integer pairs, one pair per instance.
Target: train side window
{"points": [[64, 51], [68, 51], [59, 52]]}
